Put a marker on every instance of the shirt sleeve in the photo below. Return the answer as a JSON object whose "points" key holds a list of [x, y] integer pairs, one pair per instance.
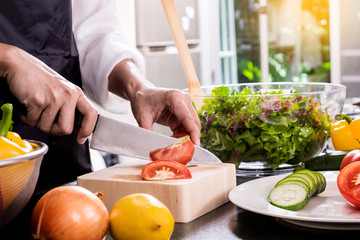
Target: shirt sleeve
{"points": [[101, 45]]}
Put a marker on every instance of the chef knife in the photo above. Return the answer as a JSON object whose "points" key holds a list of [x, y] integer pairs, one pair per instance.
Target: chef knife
{"points": [[116, 137]]}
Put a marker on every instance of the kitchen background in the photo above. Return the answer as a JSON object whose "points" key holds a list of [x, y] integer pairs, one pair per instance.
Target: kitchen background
{"points": [[239, 41]]}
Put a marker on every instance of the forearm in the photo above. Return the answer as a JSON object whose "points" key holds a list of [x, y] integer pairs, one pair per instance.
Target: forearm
{"points": [[126, 80], [102, 44], [6, 58]]}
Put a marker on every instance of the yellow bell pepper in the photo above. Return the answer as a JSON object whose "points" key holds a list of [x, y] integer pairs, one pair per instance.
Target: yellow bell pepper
{"points": [[345, 133], [11, 144]]}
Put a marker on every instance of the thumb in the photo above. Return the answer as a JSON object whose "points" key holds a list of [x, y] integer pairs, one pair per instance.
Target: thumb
{"points": [[146, 122]]}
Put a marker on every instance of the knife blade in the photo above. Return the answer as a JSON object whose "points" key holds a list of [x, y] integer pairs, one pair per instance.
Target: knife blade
{"points": [[116, 137]]}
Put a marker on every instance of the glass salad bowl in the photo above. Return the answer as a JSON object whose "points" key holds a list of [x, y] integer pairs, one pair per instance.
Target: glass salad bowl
{"points": [[268, 128]]}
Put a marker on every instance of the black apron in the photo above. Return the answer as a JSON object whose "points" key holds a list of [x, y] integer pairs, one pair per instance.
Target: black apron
{"points": [[43, 28]]}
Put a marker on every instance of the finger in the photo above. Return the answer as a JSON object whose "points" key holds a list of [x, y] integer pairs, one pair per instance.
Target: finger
{"points": [[145, 120], [192, 110], [193, 130], [47, 119], [179, 130], [32, 116], [185, 116], [64, 123], [90, 117]]}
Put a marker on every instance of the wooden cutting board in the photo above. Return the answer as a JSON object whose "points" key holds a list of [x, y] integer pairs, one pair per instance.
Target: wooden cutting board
{"points": [[187, 199]]}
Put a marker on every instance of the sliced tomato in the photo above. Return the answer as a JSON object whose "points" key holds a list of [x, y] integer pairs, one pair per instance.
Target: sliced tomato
{"points": [[348, 182], [180, 135], [181, 151], [352, 156], [165, 169]]}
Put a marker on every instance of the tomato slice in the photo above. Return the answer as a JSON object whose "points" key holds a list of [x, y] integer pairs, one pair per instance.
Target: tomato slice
{"points": [[181, 151], [350, 157], [164, 169], [348, 182], [180, 135]]}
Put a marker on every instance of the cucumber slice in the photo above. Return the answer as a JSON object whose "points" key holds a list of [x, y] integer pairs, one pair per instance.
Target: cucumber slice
{"points": [[296, 179], [319, 179], [295, 190], [323, 182], [314, 177], [289, 196], [296, 182], [309, 178], [319, 183]]}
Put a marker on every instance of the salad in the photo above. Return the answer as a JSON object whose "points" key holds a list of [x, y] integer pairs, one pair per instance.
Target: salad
{"points": [[270, 126]]}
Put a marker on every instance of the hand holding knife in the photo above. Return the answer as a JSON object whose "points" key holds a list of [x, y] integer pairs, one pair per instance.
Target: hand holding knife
{"points": [[124, 139]]}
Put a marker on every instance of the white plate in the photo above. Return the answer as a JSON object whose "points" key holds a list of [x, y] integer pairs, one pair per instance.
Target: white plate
{"points": [[328, 210]]}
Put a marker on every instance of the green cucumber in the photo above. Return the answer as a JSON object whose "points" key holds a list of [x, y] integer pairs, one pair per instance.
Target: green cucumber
{"points": [[323, 181], [294, 191], [289, 196], [309, 178], [313, 176], [326, 162], [296, 181], [320, 181], [292, 178]]}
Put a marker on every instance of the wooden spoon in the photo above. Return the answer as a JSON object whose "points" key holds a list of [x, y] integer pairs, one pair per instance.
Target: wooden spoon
{"points": [[185, 58]]}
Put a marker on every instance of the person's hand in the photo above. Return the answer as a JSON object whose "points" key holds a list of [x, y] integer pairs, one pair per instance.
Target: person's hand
{"points": [[50, 100], [149, 104], [168, 107]]}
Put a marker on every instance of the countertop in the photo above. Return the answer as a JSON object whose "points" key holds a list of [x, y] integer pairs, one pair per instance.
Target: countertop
{"points": [[225, 222], [231, 222]]}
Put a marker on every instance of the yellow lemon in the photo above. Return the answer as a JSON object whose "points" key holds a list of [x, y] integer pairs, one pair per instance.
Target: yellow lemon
{"points": [[140, 216]]}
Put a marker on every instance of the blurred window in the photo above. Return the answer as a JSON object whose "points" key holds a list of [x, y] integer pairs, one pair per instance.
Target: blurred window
{"points": [[228, 56], [275, 40]]}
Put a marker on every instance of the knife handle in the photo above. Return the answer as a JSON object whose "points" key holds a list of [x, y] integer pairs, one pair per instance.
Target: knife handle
{"points": [[79, 117]]}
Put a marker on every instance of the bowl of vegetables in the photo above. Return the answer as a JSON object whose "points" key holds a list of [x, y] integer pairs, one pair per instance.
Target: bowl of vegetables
{"points": [[268, 128], [20, 162]]}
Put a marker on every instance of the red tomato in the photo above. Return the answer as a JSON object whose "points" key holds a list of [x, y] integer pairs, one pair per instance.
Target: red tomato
{"points": [[165, 169], [181, 151], [180, 135], [348, 182], [350, 157]]}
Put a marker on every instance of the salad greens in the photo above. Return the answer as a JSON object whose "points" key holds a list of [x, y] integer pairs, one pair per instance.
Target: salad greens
{"points": [[265, 126]]}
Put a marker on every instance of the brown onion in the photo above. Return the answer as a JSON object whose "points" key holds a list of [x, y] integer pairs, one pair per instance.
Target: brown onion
{"points": [[69, 212]]}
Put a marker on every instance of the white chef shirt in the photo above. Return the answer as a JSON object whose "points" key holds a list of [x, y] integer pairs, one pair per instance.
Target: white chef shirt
{"points": [[101, 45]]}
